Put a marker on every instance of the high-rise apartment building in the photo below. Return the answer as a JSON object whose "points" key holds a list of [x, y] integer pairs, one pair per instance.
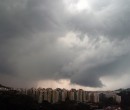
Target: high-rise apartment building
{"points": [[49, 95], [63, 95]]}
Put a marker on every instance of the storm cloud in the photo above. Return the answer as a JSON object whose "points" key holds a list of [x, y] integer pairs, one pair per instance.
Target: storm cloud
{"points": [[51, 40]]}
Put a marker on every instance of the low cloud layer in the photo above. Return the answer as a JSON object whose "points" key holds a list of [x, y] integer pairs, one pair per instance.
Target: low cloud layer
{"points": [[53, 40]]}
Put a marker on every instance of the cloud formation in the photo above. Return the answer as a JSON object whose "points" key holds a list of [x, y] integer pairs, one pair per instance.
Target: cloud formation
{"points": [[48, 40]]}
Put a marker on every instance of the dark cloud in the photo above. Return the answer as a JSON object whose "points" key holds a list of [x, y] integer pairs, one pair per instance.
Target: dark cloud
{"points": [[22, 17], [29, 30], [41, 39], [109, 20], [91, 77]]}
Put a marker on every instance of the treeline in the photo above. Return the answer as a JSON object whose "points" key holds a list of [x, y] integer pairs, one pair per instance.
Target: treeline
{"points": [[12, 100]]}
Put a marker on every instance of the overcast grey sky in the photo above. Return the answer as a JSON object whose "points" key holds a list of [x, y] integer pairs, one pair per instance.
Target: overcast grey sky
{"points": [[83, 41]]}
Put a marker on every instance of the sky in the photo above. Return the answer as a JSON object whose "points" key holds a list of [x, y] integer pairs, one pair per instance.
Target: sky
{"points": [[65, 43]]}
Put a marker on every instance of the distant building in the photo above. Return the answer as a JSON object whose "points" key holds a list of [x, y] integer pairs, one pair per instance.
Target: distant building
{"points": [[77, 96], [63, 95], [40, 97], [49, 95], [90, 97], [96, 98], [84, 96], [45, 95], [80, 95], [72, 94], [55, 96], [118, 99]]}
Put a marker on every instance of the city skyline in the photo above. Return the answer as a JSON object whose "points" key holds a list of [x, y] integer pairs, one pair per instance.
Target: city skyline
{"points": [[65, 44], [62, 95]]}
